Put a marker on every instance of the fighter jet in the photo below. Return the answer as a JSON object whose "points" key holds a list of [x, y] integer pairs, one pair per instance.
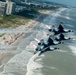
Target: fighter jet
{"points": [[59, 30], [43, 47]]}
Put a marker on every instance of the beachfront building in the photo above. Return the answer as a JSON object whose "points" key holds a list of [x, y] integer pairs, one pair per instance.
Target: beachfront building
{"points": [[10, 8], [2, 8], [7, 8]]}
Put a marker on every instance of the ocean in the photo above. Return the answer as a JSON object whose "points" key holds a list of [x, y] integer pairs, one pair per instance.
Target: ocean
{"points": [[57, 62]]}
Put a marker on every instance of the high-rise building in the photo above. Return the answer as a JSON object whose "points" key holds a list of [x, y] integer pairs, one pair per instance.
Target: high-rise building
{"points": [[10, 8], [7, 8], [3, 6]]}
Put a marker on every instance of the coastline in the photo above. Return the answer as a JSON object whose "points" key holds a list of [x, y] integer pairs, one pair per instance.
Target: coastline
{"points": [[13, 39], [23, 61]]}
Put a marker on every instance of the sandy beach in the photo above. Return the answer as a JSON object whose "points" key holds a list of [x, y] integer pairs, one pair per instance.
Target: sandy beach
{"points": [[10, 40]]}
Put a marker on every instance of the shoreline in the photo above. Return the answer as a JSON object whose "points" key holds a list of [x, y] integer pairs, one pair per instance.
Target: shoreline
{"points": [[14, 39]]}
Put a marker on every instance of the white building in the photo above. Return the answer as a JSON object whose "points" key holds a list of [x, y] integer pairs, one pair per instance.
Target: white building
{"points": [[10, 8], [7, 8]]}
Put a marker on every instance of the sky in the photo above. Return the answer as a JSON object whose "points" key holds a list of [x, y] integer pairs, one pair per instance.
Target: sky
{"points": [[67, 2]]}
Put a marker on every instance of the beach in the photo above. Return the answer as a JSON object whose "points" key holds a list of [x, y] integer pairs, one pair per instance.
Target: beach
{"points": [[9, 41], [23, 61]]}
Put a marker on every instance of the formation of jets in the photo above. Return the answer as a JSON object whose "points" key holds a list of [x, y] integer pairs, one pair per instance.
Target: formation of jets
{"points": [[43, 47]]}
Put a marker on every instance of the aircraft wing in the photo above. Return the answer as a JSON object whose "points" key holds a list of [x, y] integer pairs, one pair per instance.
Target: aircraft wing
{"points": [[37, 40], [49, 27]]}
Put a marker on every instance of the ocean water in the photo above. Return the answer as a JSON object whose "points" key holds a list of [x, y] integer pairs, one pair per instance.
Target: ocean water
{"points": [[58, 62]]}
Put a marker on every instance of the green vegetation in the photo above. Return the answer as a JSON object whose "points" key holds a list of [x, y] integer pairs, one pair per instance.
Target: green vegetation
{"points": [[21, 18], [1, 35], [11, 21]]}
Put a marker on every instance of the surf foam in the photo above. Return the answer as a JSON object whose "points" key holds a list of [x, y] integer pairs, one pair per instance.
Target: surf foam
{"points": [[32, 66], [73, 48]]}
